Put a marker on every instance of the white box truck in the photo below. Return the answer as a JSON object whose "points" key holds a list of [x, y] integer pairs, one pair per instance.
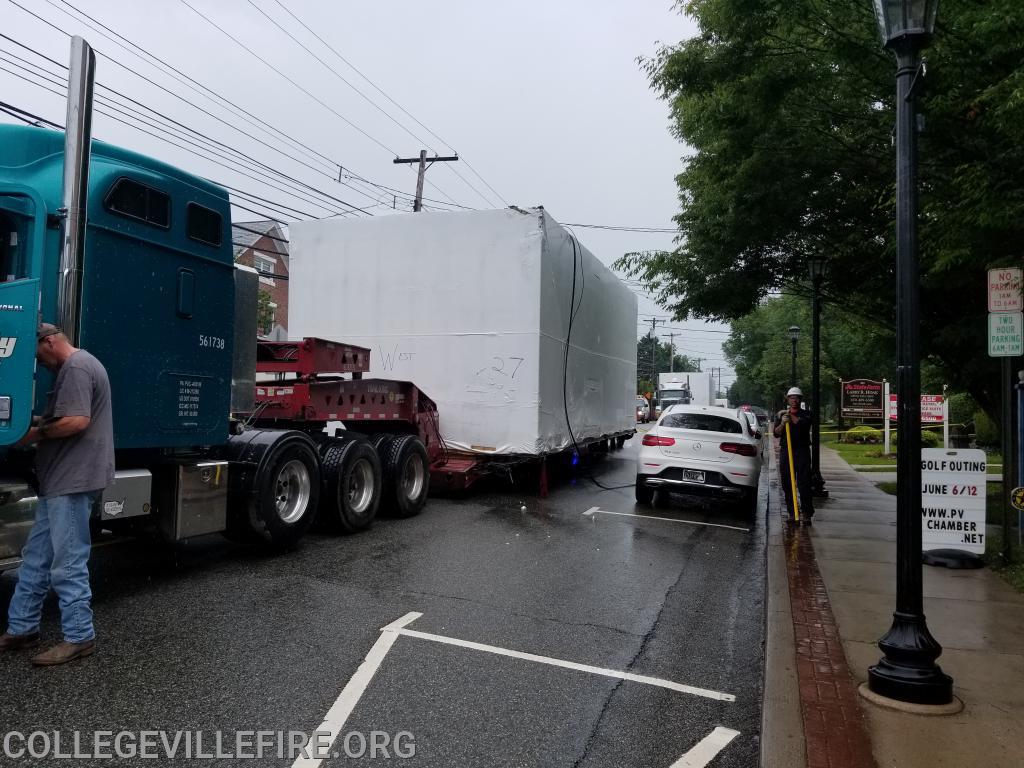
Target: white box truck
{"points": [[684, 387]]}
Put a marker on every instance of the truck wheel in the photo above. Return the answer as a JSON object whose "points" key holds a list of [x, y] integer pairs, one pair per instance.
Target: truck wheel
{"points": [[644, 493], [287, 493], [406, 475], [351, 486]]}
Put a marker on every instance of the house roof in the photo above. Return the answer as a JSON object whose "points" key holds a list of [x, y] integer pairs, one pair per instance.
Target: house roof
{"points": [[245, 234]]}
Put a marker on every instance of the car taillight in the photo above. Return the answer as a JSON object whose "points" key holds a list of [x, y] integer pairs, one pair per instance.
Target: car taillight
{"points": [[741, 449], [650, 439]]}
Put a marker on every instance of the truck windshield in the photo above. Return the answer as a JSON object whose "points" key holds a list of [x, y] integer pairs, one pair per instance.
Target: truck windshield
{"points": [[15, 231]]}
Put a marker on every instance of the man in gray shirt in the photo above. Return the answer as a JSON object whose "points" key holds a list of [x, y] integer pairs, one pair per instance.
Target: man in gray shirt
{"points": [[74, 462]]}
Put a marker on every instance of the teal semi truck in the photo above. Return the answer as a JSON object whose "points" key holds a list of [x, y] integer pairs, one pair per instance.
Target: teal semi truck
{"points": [[133, 259]]}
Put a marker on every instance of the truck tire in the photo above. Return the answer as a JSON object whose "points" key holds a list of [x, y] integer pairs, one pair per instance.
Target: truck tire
{"points": [[351, 485], [380, 442], [644, 493], [287, 493], [406, 475]]}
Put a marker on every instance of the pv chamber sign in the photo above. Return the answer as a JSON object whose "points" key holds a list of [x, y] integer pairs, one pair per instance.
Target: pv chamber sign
{"points": [[953, 500]]}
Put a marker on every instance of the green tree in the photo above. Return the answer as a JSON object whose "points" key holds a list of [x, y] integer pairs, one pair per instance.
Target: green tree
{"points": [[789, 109], [760, 350], [264, 312], [646, 375]]}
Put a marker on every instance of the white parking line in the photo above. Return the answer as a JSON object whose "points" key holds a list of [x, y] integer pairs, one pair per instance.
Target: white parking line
{"points": [[705, 750], [336, 716], [329, 730], [598, 510], [656, 681]]}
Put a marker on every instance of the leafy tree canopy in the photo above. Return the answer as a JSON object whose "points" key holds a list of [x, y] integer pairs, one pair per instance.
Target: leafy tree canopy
{"points": [[788, 106]]}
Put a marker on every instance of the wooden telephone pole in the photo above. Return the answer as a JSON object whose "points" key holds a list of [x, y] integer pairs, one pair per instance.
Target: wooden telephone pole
{"points": [[417, 205]]}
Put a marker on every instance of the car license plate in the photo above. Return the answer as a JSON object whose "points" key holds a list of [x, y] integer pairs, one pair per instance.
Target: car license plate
{"points": [[693, 475]]}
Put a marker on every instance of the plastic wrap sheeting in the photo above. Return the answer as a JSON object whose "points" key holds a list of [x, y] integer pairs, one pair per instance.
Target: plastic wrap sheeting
{"points": [[474, 309]]}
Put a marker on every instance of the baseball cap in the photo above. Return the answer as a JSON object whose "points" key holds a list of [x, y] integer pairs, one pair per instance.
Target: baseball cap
{"points": [[47, 329]]}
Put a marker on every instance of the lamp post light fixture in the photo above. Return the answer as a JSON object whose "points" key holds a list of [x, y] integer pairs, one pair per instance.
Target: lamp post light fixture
{"points": [[794, 334], [818, 267], [907, 671]]}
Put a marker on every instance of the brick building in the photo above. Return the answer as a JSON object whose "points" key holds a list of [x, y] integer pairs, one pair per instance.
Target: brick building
{"points": [[263, 245]]}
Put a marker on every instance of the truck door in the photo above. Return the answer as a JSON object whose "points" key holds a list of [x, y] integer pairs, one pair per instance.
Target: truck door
{"points": [[21, 234]]}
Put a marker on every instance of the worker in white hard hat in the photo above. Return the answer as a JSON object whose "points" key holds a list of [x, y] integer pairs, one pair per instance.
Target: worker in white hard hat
{"points": [[799, 420]]}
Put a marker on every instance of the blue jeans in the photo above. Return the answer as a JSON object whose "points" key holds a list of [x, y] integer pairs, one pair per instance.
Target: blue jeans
{"points": [[56, 555]]}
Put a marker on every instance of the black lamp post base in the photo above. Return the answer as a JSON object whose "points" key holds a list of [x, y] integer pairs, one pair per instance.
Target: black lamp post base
{"points": [[908, 671], [914, 686]]}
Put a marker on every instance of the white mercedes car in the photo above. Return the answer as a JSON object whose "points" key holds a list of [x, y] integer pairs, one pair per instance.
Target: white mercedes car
{"points": [[702, 450]]}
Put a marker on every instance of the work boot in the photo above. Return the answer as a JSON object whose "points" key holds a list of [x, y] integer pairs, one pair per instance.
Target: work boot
{"points": [[63, 652], [17, 642]]}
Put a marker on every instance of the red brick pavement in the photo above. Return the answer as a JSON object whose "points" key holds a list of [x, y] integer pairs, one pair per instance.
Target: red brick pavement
{"points": [[834, 726]]}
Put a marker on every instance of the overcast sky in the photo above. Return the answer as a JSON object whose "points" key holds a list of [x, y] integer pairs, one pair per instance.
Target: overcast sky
{"points": [[545, 100]]}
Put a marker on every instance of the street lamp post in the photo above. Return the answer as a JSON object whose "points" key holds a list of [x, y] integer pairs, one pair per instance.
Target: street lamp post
{"points": [[817, 267], [907, 671], [794, 334]]}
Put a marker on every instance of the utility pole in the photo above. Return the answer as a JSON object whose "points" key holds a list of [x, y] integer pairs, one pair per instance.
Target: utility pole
{"points": [[417, 205], [654, 353], [699, 360], [672, 351]]}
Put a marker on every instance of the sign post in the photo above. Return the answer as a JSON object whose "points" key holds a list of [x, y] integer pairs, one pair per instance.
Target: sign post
{"points": [[888, 415], [1006, 340], [953, 507]]}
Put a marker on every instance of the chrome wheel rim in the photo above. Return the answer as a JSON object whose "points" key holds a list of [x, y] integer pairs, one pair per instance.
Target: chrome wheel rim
{"points": [[413, 477], [360, 486], [292, 491]]}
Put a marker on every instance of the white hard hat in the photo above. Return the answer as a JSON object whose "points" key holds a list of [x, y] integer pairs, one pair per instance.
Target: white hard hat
{"points": [[795, 391]]}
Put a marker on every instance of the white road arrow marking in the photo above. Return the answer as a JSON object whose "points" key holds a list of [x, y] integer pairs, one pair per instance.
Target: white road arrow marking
{"points": [[598, 511]]}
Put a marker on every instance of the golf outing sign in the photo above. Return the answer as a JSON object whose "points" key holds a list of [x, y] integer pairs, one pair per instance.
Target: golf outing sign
{"points": [[953, 499]]}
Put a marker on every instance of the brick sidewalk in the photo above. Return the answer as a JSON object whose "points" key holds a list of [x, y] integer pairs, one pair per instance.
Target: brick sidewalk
{"points": [[833, 723], [834, 726]]}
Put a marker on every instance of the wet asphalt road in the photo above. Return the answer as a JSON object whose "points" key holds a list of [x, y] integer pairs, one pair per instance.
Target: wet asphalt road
{"points": [[215, 636]]}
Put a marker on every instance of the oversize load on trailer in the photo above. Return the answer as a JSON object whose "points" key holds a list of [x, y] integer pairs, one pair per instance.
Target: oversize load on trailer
{"points": [[475, 308]]}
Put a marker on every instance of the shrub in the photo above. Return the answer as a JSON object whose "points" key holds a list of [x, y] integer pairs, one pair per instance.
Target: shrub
{"points": [[985, 430], [862, 434], [929, 439], [961, 408]]}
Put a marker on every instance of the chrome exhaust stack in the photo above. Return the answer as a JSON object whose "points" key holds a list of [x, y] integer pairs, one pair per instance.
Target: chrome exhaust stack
{"points": [[77, 146]]}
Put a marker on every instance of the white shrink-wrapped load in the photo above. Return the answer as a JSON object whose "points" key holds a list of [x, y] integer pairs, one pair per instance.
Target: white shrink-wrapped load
{"points": [[474, 308]]}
